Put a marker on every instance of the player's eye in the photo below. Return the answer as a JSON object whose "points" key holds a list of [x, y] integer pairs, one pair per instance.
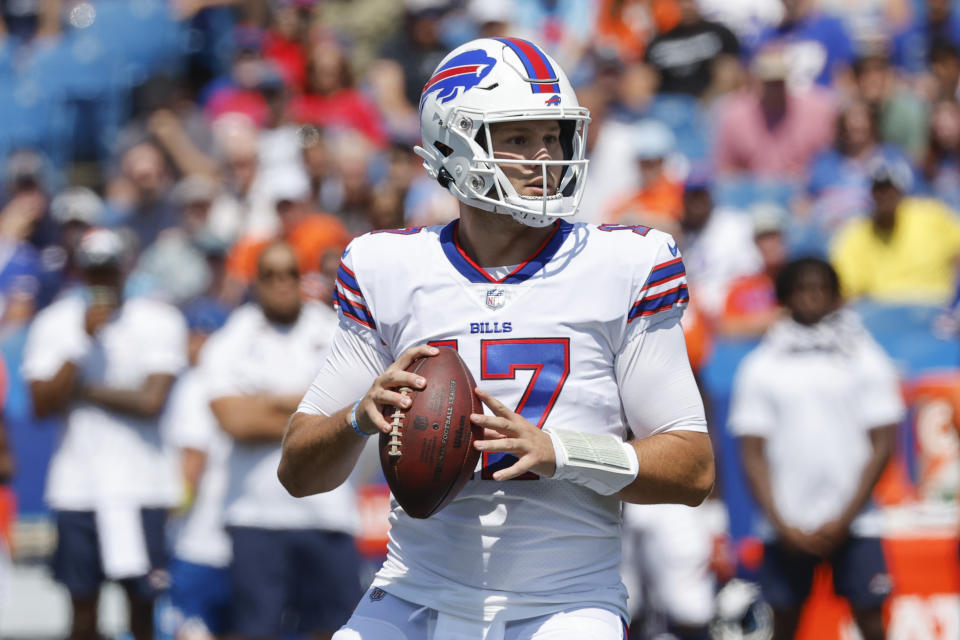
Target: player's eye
{"points": [[517, 140], [551, 140]]}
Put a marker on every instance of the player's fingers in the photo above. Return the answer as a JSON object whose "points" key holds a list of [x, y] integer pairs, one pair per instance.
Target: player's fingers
{"points": [[491, 434], [386, 397], [520, 467], [502, 425], [420, 351], [372, 413], [498, 408], [396, 378], [498, 445]]}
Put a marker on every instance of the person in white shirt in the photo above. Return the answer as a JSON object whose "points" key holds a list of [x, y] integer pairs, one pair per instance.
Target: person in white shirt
{"points": [[573, 332], [717, 245], [295, 568], [815, 407], [107, 363], [199, 569]]}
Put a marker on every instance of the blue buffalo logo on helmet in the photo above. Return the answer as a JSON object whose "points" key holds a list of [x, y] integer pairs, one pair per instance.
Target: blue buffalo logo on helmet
{"points": [[552, 102], [460, 73]]}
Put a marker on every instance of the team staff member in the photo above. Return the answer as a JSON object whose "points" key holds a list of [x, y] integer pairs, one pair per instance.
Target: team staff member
{"points": [[594, 312], [815, 406], [199, 569], [107, 362], [294, 561]]}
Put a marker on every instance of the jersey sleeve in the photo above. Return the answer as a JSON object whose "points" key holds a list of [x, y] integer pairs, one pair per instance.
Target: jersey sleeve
{"points": [[350, 301], [657, 388], [351, 366], [662, 292]]}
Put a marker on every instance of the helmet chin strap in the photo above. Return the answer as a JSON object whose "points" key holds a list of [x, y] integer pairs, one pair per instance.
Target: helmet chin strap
{"points": [[554, 205]]}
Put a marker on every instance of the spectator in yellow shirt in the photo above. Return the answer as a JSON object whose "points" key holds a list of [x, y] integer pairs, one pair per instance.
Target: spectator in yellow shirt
{"points": [[905, 252]]}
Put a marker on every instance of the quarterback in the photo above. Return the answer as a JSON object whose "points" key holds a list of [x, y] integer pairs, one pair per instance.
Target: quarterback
{"points": [[573, 332]]}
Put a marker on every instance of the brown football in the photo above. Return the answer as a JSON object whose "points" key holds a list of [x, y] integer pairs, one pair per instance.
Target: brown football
{"points": [[429, 455]]}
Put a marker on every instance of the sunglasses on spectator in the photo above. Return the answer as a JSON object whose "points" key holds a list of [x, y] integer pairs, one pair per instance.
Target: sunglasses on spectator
{"points": [[270, 275]]}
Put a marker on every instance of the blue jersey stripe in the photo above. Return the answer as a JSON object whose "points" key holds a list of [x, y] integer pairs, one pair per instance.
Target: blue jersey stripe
{"points": [[665, 272], [347, 287], [354, 310], [660, 302], [348, 279]]}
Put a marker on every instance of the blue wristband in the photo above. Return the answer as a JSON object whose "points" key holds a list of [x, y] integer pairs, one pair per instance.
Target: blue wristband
{"points": [[355, 424]]}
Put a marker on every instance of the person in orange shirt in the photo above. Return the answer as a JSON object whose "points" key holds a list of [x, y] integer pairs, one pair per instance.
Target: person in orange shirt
{"points": [[311, 235], [659, 201], [751, 305]]}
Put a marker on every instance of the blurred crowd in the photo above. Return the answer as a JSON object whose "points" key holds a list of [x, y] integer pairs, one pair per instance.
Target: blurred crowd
{"points": [[205, 128], [203, 131]]}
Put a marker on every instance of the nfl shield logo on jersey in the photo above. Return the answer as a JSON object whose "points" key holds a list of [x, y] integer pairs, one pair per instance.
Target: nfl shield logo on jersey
{"points": [[495, 298]]}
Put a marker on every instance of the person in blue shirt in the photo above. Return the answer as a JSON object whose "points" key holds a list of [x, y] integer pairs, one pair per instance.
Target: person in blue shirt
{"points": [[911, 47], [818, 45], [839, 183]]}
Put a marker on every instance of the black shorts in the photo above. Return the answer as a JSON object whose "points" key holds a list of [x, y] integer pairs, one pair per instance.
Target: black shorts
{"points": [[859, 574], [78, 565]]}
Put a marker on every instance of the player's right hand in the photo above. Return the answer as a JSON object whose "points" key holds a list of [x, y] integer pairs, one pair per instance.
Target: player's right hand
{"points": [[385, 390]]}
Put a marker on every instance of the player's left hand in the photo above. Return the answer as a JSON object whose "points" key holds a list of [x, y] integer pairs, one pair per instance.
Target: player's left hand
{"points": [[509, 432]]}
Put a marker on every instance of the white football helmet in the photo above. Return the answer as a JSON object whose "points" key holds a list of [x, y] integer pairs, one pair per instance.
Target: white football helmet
{"points": [[741, 613], [494, 80]]}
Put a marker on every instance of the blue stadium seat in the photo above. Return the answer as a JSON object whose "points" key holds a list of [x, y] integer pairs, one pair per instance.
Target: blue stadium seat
{"points": [[143, 34], [742, 192], [31, 120], [907, 333], [687, 120], [87, 80]]}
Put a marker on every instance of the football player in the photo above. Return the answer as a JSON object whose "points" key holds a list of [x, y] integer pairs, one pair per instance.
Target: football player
{"points": [[573, 331]]}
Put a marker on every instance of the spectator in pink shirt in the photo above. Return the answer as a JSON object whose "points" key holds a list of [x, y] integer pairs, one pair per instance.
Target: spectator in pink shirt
{"points": [[770, 130]]}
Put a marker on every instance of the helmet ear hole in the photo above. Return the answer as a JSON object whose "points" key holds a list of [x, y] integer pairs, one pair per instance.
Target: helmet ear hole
{"points": [[442, 148]]}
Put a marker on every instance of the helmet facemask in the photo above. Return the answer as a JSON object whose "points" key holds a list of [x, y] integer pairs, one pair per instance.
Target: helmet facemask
{"points": [[482, 183], [493, 87]]}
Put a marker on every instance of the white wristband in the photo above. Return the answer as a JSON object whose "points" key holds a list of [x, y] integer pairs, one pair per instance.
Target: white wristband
{"points": [[601, 462]]}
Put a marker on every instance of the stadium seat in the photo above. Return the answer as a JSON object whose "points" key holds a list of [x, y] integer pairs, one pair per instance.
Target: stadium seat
{"points": [[685, 117]]}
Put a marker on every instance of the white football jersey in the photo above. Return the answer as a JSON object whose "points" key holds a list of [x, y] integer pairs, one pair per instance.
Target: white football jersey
{"points": [[543, 339]]}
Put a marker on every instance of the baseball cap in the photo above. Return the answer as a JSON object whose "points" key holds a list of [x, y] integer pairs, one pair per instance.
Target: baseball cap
{"points": [[652, 140], [77, 204], [699, 178], [25, 167], [486, 11], [427, 8], [100, 247], [768, 217], [193, 189], [890, 171], [287, 184], [769, 65]]}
